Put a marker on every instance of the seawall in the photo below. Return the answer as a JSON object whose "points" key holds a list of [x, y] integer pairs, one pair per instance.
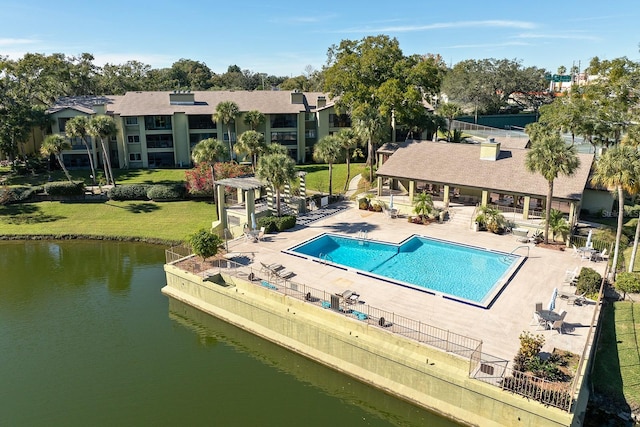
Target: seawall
{"points": [[405, 368]]}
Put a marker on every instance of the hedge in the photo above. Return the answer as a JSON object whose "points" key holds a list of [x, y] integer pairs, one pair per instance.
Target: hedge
{"points": [[64, 188], [588, 281], [275, 223], [161, 192], [19, 194], [129, 192]]}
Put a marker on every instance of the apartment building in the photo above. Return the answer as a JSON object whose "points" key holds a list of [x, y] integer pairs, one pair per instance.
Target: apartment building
{"points": [[160, 129]]}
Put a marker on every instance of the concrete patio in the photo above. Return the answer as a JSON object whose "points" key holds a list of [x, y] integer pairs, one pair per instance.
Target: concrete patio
{"points": [[497, 326]]}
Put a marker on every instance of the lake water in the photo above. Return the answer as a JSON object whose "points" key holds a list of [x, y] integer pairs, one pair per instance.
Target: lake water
{"points": [[87, 339]]}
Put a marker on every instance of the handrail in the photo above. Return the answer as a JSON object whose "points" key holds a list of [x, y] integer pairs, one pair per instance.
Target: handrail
{"points": [[521, 246]]}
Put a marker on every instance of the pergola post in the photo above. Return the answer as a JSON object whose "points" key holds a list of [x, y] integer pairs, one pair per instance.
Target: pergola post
{"points": [[379, 186], [446, 196], [222, 217], [485, 197], [412, 190], [525, 208], [240, 193], [250, 205]]}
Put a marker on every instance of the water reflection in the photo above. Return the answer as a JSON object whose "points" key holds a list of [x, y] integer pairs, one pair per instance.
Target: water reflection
{"points": [[212, 331]]}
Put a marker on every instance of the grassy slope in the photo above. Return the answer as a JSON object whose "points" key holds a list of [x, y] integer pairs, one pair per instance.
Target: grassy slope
{"points": [[617, 364], [317, 178]]}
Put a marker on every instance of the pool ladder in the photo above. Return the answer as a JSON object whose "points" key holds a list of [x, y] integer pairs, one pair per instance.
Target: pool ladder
{"points": [[363, 236], [324, 258], [506, 257]]}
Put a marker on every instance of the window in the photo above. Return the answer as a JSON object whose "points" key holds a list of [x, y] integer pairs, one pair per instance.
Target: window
{"points": [[135, 157], [284, 121], [164, 140], [201, 121], [160, 160], [62, 123], [194, 138], [131, 121], [131, 139], [157, 122], [310, 134], [285, 138], [225, 137], [339, 121]]}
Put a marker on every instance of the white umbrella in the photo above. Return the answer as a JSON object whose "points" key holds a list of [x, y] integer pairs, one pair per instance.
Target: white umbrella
{"points": [[552, 303], [391, 201], [588, 245], [253, 221]]}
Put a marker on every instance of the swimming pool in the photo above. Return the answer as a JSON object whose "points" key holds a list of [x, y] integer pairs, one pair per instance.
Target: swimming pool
{"points": [[466, 273]]}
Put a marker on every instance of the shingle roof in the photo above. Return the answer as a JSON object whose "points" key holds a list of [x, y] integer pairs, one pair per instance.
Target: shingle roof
{"points": [[460, 165], [85, 104], [267, 102]]}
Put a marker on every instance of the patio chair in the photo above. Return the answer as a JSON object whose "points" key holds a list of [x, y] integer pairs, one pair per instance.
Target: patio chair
{"points": [[537, 318], [284, 274], [271, 268], [557, 324], [601, 256], [261, 233]]}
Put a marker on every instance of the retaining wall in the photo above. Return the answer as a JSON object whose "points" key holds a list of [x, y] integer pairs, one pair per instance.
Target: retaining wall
{"points": [[400, 366]]}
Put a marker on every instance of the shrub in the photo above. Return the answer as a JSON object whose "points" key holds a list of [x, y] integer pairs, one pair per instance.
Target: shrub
{"points": [[273, 223], [631, 211], [588, 281], [161, 192], [269, 223], [17, 194], [204, 243], [628, 283], [129, 192], [64, 188], [286, 222]]}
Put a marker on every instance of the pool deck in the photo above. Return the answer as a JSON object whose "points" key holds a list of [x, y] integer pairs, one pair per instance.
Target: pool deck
{"points": [[497, 326]]}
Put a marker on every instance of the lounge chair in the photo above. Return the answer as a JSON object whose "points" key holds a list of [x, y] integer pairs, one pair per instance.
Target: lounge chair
{"points": [[571, 275], [573, 298], [284, 274], [271, 268]]}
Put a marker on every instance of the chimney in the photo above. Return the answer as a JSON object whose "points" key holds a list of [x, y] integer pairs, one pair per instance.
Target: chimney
{"points": [[297, 97], [322, 102], [489, 150]]}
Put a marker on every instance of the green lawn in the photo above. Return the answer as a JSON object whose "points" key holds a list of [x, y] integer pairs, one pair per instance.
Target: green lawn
{"points": [[122, 176], [617, 364], [317, 178], [171, 221]]}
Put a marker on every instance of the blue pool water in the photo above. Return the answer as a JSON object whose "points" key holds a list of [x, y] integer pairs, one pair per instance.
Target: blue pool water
{"points": [[463, 272]]}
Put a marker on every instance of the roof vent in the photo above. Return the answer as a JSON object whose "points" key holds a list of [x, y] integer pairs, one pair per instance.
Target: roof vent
{"points": [[181, 98], [489, 150]]}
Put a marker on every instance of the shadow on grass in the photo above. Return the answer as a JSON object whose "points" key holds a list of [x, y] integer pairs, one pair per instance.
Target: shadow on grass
{"points": [[25, 214], [607, 377], [144, 207]]}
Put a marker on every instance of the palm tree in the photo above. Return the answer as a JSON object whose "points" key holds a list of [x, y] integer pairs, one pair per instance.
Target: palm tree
{"points": [[254, 118], [227, 112], [55, 144], [77, 128], [449, 111], [329, 150], [277, 169], [349, 140], [550, 157], [102, 127], [368, 123], [251, 143], [275, 148], [618, 169], [491, 218], [558, 224], [209, 151], [423, 204]]}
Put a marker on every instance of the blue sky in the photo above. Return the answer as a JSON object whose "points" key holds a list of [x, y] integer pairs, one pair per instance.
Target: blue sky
{"points": [[284, 37]]}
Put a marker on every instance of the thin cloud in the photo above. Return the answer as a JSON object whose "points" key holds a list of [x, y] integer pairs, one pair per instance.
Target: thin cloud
{"points": [[566, 36], [446, 25], [12, 42], [486, 45]]}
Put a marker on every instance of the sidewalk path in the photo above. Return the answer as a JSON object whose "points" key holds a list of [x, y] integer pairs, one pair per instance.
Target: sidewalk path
{"points": [[353, 186]]}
